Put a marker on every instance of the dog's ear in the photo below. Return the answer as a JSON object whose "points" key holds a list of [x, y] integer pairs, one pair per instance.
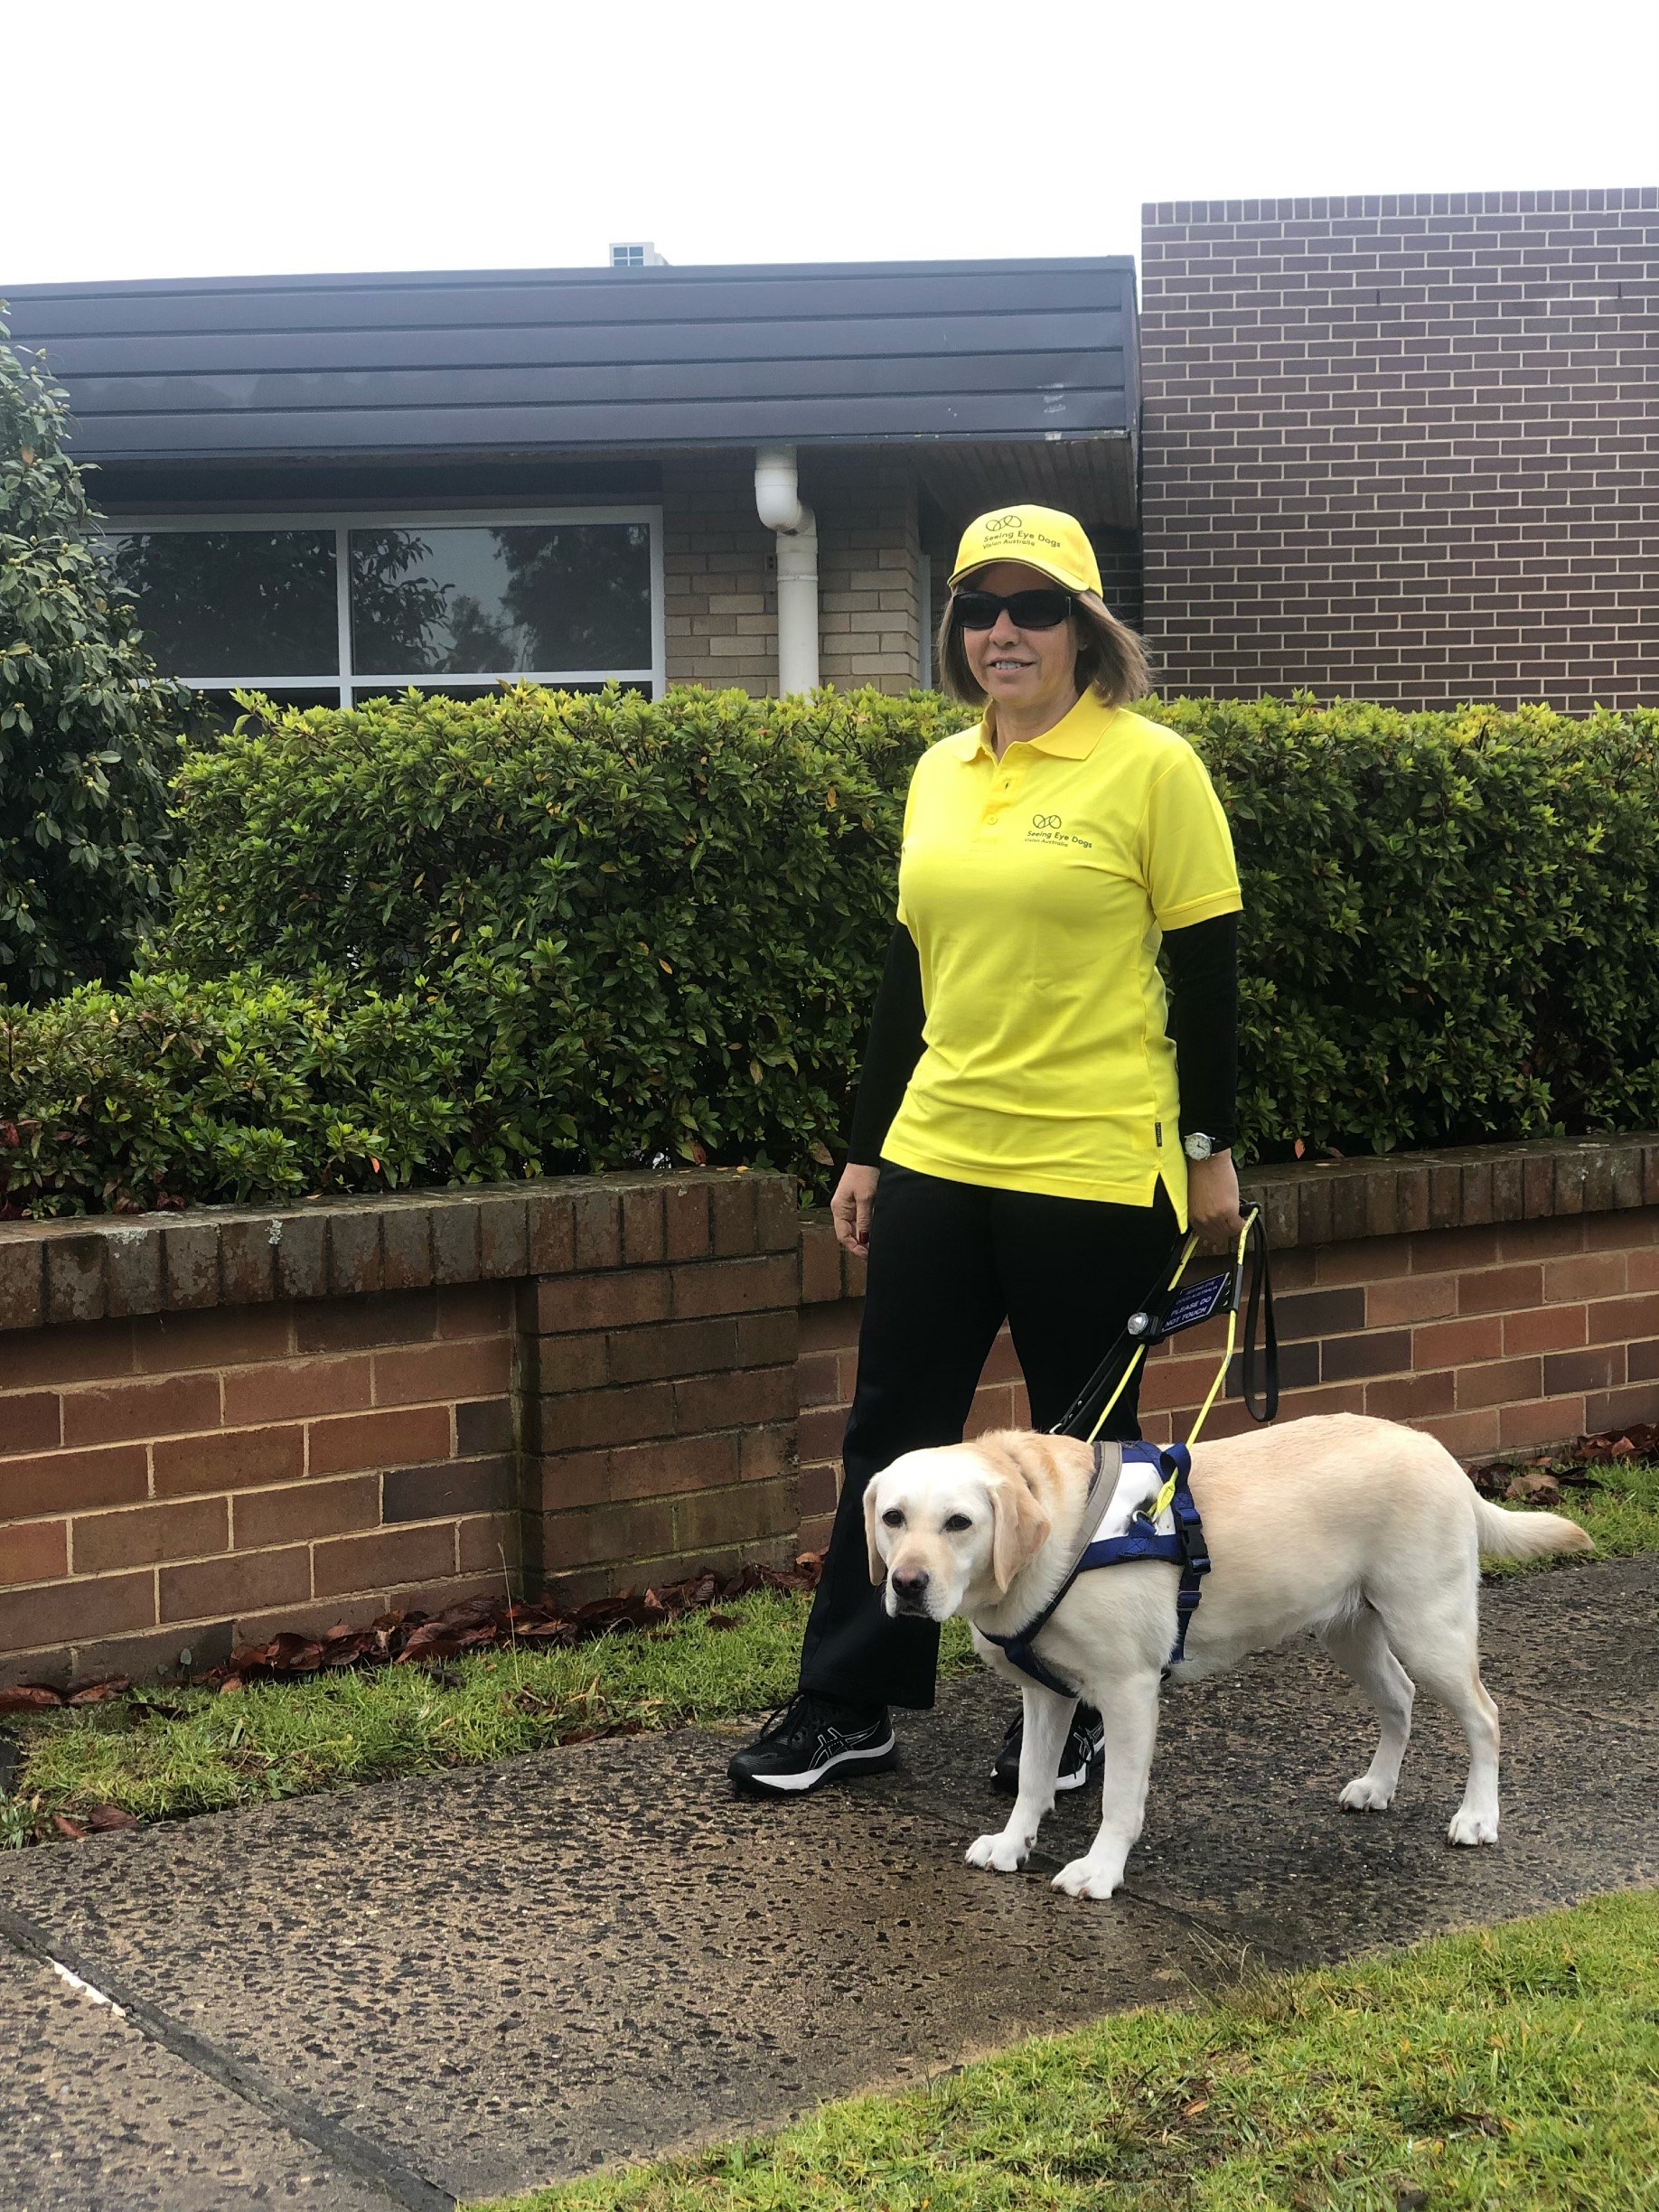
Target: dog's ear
{"points": [[878, 1566], [1020, 1526]]}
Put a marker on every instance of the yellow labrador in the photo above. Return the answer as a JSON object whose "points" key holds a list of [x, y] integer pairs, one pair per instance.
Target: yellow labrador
{"points": [[1366, 1532]]}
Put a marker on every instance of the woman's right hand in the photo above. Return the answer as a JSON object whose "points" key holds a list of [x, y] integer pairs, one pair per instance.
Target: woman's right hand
{"points": [[850, 1208]]}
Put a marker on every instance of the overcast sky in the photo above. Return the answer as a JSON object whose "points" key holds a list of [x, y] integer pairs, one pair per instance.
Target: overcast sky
{"points": [[216, 137]]}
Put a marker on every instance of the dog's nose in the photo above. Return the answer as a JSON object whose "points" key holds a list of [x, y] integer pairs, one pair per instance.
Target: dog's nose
{"points": [[908, 1589]]}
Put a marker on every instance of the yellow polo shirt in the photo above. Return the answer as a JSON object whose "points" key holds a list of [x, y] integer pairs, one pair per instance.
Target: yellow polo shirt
{"points": [[1037, 889]]}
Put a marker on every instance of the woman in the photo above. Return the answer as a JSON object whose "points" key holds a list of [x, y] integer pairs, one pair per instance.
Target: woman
{"points": [[1029, 1139]]}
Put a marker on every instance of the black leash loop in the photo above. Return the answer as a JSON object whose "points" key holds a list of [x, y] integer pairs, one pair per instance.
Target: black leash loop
{"points": [[1258, 1313]]}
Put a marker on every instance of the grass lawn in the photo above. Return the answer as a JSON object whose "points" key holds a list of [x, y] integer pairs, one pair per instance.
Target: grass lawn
{"points": [[167, 1752], [1512, 2069]]}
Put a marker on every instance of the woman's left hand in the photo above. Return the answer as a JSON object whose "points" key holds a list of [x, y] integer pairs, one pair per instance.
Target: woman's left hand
{"points": [[1212, 1197]]}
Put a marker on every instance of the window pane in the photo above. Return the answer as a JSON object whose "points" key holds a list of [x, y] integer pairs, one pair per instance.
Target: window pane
{"points": [[518, 596], [234, 603]]}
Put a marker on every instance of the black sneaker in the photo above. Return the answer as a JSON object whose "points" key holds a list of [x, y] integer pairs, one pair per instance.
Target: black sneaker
{"points": [[1079, 1762], [810, 1739]]}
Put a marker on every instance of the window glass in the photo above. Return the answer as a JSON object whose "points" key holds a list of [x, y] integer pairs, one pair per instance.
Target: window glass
{"points": [[238, 604], [547, 596]]}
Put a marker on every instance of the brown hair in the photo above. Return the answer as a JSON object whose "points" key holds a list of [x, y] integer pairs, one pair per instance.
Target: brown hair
{"points": [[1111, 658]]}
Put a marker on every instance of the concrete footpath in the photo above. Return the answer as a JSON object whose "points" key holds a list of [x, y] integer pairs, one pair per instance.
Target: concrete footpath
{"points": [[433, 1991]]}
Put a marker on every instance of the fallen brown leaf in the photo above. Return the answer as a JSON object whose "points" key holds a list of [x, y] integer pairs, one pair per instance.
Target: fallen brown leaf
{"points": [[31, 1697], [106, 1816]]}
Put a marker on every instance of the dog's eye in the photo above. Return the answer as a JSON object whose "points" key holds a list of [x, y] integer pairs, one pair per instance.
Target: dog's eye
{"points": [[893, 1518], [957, 1522]]}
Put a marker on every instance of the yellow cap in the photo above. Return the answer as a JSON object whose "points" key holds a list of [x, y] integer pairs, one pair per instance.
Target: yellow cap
{"points": [[1040, 537]]}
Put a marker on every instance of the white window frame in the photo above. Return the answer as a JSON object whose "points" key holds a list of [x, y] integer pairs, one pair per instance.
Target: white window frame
{"points": [[347, 680]]}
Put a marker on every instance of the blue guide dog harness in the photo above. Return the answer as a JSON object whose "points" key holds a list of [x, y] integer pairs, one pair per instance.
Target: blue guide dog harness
{"points": [[1167, 1309]]}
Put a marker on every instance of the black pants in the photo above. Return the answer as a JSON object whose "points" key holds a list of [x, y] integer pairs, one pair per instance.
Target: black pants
{"points": [[949, 1263]]}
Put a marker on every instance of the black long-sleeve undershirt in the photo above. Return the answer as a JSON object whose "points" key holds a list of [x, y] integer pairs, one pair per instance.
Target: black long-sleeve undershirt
{"points": [[1204, 1003]]}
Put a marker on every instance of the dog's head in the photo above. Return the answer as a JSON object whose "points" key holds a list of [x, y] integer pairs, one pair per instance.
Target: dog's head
{"points": [[951, 1527]]}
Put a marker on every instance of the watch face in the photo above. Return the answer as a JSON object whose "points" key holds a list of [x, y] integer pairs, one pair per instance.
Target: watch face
{"points": [[1198, 1147]]}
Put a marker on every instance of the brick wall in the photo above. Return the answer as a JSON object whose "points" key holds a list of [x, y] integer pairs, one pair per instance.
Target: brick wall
{"points": [[213, 1426], [720, 581], [1501, 1299], [1405, 449]]}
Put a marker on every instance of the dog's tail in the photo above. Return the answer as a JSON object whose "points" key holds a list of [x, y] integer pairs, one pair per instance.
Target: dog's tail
{"points": [[1525, 1535]]}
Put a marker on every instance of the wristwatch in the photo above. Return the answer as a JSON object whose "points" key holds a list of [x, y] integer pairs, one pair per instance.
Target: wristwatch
{"points": [[1197, 1145]]}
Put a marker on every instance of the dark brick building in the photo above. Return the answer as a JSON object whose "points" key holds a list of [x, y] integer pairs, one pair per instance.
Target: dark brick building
{"points": [[1404, 447]]}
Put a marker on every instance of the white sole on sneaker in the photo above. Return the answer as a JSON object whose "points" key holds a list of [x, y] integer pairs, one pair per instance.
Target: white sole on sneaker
{"points": [[814, 1775]]}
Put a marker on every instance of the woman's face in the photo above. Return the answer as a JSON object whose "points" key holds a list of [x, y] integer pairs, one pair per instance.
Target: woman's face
{"points": [[1030, 669]]}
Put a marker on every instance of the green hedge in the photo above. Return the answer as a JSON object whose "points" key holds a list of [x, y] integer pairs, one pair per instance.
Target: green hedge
{"points": [[433, 941]]}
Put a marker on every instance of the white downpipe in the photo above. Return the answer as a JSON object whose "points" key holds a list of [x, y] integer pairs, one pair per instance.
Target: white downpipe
{"points": [[777, 499]]}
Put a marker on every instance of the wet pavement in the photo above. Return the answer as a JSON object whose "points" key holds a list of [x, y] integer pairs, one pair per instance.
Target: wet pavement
{"points": [[431, 1990]]}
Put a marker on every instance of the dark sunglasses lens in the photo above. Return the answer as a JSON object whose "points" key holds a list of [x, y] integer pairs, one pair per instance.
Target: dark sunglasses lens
{"points": [[1038, 610], [976, 610], [1027, 610]]}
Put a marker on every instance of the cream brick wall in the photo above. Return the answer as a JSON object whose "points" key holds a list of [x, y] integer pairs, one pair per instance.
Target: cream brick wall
{"points": [[721, 588]]}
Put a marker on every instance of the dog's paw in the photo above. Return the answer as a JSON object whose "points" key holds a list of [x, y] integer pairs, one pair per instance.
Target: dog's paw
{"points": [[1002, 1853], [1364, 1795], [1087, 1878], [1468, 1827]]}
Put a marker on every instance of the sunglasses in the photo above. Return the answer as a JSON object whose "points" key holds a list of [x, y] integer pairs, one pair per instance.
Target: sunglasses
{"points": [[1027, 610]]}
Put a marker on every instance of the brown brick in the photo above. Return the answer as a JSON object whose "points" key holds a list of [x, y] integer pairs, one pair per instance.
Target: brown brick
{"points": [[818, 1492], [819, 1433], [551, 1219], [1457, 1343], [644, 1241], [777, 1214], [34, 1551], [399, 1435], [733, 1285], [686, 1230], [1500, 1290], [1597, 1367], [504, 1238], [554, 1364], [290, 1390], [821, 1265], [1547, 1421], [239, 1583], [1368, 1261], [676, 1348], [567, 1303], [446, 1491], [23, 1282], [176, 1344], [766, 1451], [1546, 1328], [351, 1324], [406, 1246], [247, 1263], [563, 1481], [768, 1339], [302, 1255], [617, 1532], [296, 1512], [1643, 1271], [354, 1251], [1620, 1408], [228, 1459], [579, 1421], [169, 1406], [1642, 1360], [145, 1535], [1319, 1313], [1469, 1436], [92, 1354], [476, 1367], [731, 1214], [817, 1379], [1499, 1382], [1541, 1240], [478, 1310], [1617, 1320], [750, 1395], [484, 1425], [489, 1544], [69, 1481], [1378, 1352], [74, 1278], [1411, 1297], [1586, 1275], [1440, 1252], [596, 1223], [1409, 1398], [829, 1328], [1625, 1233], [76, 1612], [704, 1519], [133, 1270], [455, 1241], [30, 1421]]}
